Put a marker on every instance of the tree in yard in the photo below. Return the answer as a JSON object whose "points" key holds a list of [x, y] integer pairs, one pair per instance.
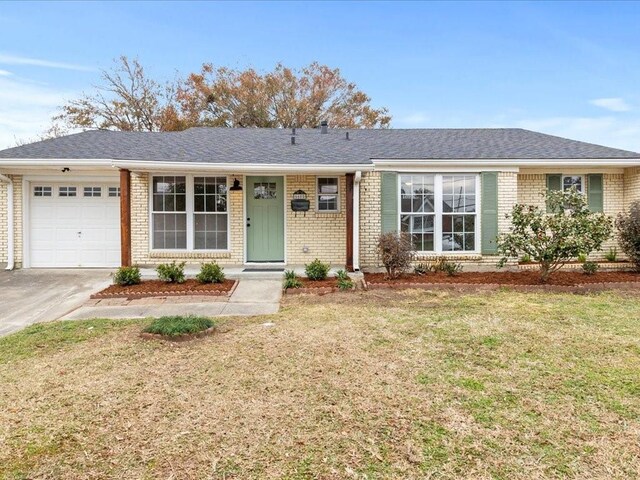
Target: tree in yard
{"points": [[628, 226], [283, 98], [127, 100], [552, 239]]}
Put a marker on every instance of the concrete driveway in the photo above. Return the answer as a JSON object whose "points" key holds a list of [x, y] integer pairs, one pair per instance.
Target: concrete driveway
{"points": [[32, 296]]}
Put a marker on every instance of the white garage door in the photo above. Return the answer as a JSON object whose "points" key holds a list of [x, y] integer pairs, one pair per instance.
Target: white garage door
{"points": [[74, 225]]}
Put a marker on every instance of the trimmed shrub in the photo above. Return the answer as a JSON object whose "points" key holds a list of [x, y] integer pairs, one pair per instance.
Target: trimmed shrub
{"points": [[628, 226], [172, 326], [451, 268], [317, 270], [291, 280], [582, 257], [344, 281], [171, 272], [552, 239], [395, 252], [611, 255], [590, 268], [210, 273], [127, 276]]}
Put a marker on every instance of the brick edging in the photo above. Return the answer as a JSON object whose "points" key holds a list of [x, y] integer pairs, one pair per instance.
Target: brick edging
{"points": [[185, 293]]}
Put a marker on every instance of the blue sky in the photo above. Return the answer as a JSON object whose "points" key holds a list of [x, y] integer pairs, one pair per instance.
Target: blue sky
{"points": [[570, 68]]}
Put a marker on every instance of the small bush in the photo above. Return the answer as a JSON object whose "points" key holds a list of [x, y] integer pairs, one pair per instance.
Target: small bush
{"points": [[291, 280], [317, 270], [171, 272], [422, 268], [395, 252], [628, 226], [127, 276], [177, 325], [451, 268], [210, 273], [344, 281], [526, 258], [582, 257], [590, 268], [611, 255]]}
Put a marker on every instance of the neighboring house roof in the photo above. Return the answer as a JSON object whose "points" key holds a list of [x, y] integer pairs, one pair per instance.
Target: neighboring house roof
{"points": [[273, 146]]}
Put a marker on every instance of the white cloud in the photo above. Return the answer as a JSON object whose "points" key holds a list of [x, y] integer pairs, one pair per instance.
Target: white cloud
{"points": [[413, 120], [36, 62], [5, 73], [607, 130], [26, 109], [614, 104]]}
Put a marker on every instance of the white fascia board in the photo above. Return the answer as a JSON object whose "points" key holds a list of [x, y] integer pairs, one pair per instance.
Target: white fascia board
{"points": [[503, 164], [158, 166]]}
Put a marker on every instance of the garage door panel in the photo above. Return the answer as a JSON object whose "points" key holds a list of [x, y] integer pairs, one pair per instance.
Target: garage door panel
{"points": [[55, 223]]}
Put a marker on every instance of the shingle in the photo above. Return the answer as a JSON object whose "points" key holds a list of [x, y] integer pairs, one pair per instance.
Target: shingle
{"points": [[273, 146]]}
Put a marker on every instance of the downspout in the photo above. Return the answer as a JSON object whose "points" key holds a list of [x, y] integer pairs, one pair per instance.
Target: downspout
{"points": [[356, 221], [10, 222]]}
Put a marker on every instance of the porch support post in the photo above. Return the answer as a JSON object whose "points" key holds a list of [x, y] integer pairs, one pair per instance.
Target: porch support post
{"points": [[349, 212], [125, 218]]}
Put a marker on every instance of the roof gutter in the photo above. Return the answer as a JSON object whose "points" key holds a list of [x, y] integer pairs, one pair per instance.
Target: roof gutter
{"points": [[10, 223], [385, 163]]}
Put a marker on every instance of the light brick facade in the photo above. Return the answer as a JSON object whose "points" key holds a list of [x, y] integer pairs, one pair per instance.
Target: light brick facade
{"points": [[4, 224], [631, 185], [370, 219]]}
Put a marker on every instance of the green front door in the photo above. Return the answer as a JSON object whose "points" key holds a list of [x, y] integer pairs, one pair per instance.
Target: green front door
{"points": [[265, 219]]}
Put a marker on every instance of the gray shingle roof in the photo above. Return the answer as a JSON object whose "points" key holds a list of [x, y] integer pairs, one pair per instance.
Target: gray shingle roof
{"points": [[273, 146]]}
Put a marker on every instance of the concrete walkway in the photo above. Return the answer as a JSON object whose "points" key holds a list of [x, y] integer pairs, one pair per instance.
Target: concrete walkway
{"points": [[251, 297]]}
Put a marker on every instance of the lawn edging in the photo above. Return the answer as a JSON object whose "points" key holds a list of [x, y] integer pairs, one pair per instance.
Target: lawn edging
{"points": [[103, 294]]}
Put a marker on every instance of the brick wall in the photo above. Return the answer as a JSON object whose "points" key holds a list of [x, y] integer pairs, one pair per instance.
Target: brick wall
{"points": [[17, 218], [631, 185], [140, 230], [507, 198], [324, 234], [370, 218]]}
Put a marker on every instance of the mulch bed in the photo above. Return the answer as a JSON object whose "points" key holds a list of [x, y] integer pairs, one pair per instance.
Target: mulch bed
{"points": [[158, 288], [319, 287], [564, 280], [178, 338]]}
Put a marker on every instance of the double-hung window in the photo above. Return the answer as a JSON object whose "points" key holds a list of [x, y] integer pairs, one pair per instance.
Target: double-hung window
{"points": [[572, 181], [439, 211], [328, 194], [189, 213]]}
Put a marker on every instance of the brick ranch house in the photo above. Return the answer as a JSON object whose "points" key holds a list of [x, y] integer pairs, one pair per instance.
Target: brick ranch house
{"points": [[237, 196]]}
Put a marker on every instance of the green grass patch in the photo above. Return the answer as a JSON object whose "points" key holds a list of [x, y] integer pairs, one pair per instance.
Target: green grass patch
{"points": [[171, 326]]}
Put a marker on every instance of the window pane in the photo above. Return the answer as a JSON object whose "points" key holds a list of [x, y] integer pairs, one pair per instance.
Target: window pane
{"points": [[570, 181], [421, 228], [210, 231], [169, 230], [417, 193], [458, 232]]}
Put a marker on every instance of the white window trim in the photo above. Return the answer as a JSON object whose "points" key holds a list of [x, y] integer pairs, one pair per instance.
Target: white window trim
{"points": [[75, 191], [52, 191], [437, 234], [317, 199], [583, 185], [189, 192]]}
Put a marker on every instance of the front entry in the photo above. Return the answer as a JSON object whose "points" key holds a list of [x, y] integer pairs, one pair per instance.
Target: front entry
{"points": [[265, 219]]}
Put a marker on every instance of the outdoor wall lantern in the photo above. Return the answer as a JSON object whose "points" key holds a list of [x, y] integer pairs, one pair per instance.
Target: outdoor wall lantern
{"points": [[300, 202], [236, 186]]}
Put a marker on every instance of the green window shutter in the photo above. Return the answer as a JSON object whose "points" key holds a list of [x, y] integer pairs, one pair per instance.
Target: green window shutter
{"points": [[595, 192], [389, 202], [489, 224], [554, 183]]}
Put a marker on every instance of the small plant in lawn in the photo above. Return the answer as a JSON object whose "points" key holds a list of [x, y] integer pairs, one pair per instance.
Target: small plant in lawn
{"points": [[396, 252], [171, 272], [179, 325], [590, 268], [317, 270], [127, 276], [291, 280], [210, 273], [582, 257], [344, 281], [611, 255], [552, 239], [628, 226]]}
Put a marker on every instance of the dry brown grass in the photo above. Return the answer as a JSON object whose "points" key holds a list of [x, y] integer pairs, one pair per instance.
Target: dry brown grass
{"points": [[373, 385]]}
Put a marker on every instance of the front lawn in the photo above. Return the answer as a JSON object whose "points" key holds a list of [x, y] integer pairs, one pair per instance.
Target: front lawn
{"points": [[378, 384]]}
